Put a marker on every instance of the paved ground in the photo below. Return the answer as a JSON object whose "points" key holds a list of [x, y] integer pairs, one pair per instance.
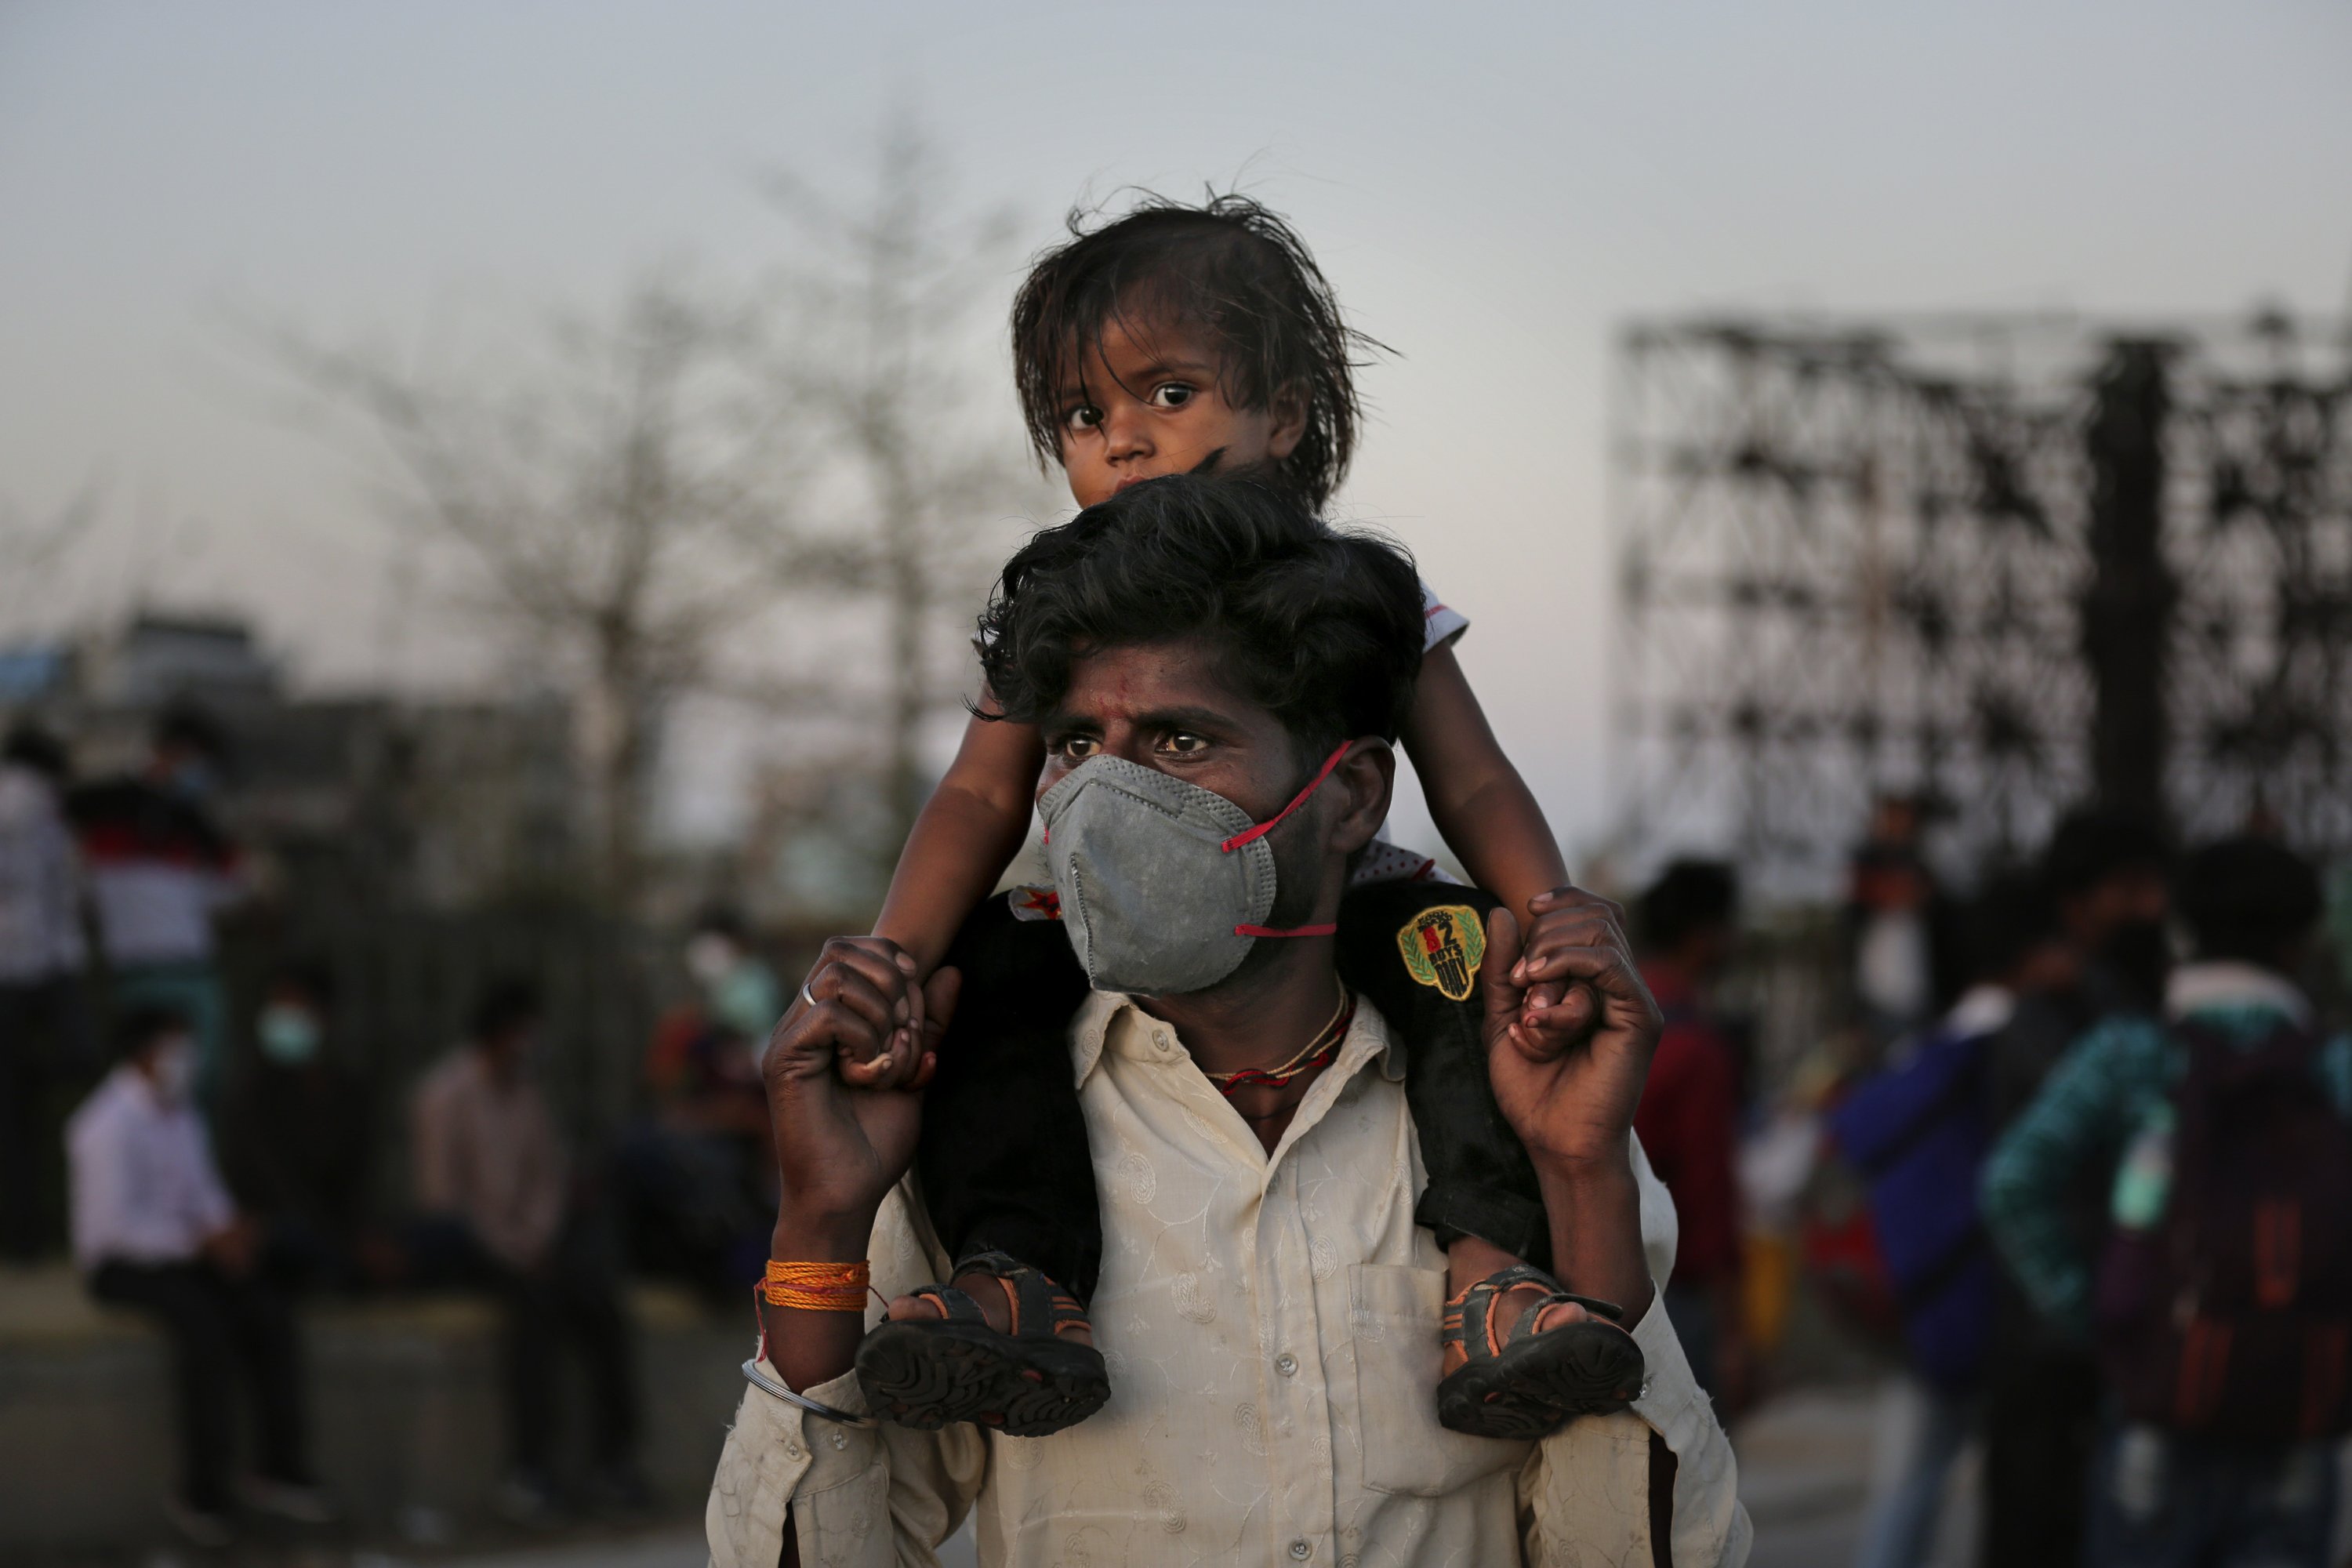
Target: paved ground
{"points": [[1806, 1468], [1809, 1463]]}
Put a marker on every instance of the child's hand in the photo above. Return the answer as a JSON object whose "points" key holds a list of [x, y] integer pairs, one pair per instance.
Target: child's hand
{"points": [[893, 1006], [1555, 1010]]}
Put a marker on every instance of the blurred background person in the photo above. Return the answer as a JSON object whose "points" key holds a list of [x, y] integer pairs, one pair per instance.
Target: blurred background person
{"points": [[2219, 1298], [44, 1028], [1688, 1117], [154, 1230], [494, 1187], [160, 866], [696, 1176], [2106, 875], [1917, 1134], [298, 1140], [1900, 924]]}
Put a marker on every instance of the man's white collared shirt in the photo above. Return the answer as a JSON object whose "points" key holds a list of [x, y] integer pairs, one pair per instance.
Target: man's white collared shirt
{"points": [[1271, 1328]]}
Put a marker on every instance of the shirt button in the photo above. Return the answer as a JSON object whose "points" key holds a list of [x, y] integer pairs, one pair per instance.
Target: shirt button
{"points": [[1300, 1551], [1286, 1364]]}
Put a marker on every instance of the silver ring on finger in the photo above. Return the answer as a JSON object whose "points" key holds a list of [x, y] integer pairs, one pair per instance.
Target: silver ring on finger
{"points": [[807, 995]]}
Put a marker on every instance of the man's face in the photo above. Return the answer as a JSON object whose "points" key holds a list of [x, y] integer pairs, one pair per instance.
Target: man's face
{"points": [[1164, 706], [1151, 404]]}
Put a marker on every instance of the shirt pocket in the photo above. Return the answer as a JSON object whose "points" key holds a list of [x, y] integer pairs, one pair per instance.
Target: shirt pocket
{"points": [[851, 1519], [1392, 1321]]}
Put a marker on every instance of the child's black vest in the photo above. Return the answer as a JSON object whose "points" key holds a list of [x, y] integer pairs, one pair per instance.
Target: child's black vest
{"points": [[1003, 1162]]}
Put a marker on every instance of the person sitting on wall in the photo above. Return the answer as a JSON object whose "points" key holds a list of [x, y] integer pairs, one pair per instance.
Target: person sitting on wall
{"points": [[154, 1230], [493, 1182]]}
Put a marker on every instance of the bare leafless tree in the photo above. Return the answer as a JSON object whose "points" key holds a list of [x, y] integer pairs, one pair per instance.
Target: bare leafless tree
{"points": [[605, 498], [665, 476], [894, 303], [34, 552]]}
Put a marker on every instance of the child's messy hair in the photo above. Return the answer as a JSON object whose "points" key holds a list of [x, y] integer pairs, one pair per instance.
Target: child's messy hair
{"points": [[1228, 265]]}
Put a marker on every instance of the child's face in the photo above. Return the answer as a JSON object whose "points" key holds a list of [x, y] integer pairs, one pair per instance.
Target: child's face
{"points": [[1151, 405]]}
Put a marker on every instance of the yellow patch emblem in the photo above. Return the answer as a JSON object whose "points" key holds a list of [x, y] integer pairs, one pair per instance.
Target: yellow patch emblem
{"points": [[1443, 947]]}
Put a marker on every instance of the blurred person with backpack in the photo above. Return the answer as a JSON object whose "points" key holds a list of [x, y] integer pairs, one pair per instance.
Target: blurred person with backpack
{"points": [[2107, 873], [1917, 1134], [2220, 1300]]}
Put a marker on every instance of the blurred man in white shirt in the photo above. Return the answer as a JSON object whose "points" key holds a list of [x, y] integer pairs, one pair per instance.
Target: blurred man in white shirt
{"points": [[154, 1230]]}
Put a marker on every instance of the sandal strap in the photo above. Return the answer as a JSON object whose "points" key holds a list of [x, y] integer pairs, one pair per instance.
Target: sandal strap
{"points": [[1041, 1310], [1469, 1318], [955, 1307]]}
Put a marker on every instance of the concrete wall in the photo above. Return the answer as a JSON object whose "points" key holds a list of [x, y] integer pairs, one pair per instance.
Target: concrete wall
{"points": [[405, 1408]]}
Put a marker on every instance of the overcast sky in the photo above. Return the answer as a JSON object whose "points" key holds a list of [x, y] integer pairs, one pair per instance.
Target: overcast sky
{"points": [[1491, 188]]}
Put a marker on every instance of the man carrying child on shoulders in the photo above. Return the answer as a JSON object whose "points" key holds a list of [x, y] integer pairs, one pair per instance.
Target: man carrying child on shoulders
{"points": [[1268, 1311]]}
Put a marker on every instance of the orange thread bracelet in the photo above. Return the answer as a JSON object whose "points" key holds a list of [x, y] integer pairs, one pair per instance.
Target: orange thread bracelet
{"points": [[817, 1287]]}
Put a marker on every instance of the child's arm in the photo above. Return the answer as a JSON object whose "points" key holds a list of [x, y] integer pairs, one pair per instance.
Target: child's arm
{"points": [[1476, 798], [1491, 822], [967, 834]]}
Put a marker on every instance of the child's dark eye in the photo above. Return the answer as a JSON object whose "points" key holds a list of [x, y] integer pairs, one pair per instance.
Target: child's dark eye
{"points": [[1171, 394], [1085, 417]]}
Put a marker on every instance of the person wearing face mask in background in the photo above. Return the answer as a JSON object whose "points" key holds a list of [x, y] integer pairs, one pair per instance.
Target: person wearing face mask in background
{"points": [[295, 1140], [160, 868], [155, 1230], [494, 1188], [2107, 873], [695, 1176]]}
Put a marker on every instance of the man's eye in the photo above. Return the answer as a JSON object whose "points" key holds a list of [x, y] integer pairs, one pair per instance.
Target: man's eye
{"points": [[1085, 417], [1171, 394], [1184, 746], [1078, 747]]}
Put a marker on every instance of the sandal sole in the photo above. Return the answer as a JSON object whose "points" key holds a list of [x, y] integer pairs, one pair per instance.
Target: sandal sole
{"points": [[1577, 1369], [930, 1374]]}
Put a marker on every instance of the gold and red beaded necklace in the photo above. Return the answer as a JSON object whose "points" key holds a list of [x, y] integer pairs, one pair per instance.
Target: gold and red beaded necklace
{"points": [[1319, 1052]]}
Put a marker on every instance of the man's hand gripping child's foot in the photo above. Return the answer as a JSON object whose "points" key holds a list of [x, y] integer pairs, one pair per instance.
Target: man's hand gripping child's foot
{"points": [[1522, 1355], [1001, 1345]]}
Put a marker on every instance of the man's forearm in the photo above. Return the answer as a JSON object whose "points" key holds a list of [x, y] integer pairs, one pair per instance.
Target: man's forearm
{"points": [[809, 1348], [1595, 1209]]}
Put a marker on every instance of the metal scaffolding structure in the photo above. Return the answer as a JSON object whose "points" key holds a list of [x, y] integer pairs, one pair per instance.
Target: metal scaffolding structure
{"points": [[2014, 564]]}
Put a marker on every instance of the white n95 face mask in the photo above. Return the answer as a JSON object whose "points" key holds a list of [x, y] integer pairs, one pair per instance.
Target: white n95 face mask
{"points": [[1164, 886]]}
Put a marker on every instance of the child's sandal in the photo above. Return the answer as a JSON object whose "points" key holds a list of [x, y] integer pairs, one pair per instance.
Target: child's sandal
{"points": [[1524, 1385], [927, 1372]]}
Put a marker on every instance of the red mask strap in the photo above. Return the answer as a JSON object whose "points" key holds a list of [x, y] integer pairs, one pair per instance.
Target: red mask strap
{"points": [[1263, 828], [1294, 930]]}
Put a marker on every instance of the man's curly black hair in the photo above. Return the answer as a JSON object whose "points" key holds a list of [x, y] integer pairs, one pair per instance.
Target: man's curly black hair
{"points": [[1321, 625], [1228, 267]]}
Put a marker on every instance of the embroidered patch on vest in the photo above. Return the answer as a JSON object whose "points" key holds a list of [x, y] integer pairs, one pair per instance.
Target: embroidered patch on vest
{"points": [[1442, 946], [1037, 904]]}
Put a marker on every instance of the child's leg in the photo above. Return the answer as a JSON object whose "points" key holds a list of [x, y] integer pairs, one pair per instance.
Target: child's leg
{"points": [[1412, 949], [1008, 1183], [1002, 1159], [1481, 1186]]}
